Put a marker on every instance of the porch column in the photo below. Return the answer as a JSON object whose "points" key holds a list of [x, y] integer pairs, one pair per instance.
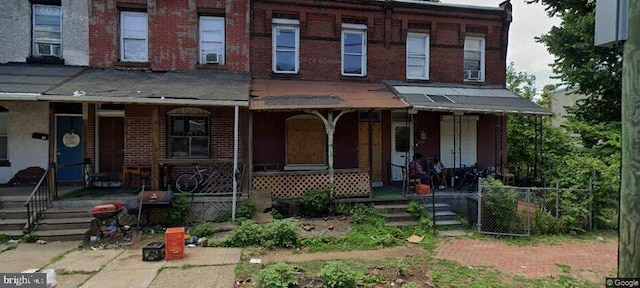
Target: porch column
{"points": [[155, 145], [235, 163]]}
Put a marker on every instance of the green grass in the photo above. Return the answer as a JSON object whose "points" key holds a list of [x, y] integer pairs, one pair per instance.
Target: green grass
{"points": [[549, 239], [96, 192]]}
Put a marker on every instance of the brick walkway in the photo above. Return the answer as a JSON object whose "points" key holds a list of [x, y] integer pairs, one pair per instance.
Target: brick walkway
{"points": [[590, 259]]}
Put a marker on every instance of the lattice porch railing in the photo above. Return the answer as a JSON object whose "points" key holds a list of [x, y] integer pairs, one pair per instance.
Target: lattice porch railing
{"points": [[287, 185]]}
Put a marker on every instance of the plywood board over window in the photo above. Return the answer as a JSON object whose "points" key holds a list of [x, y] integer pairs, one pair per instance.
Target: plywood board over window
{"points": [[306, 141]]}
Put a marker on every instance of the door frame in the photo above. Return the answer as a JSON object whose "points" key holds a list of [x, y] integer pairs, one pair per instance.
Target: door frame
{"points": [[408, 155], [103, 114], [55, 138]]}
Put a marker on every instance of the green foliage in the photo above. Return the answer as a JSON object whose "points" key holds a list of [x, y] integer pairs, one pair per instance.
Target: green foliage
{"points": [[4, 238], [411, 285], [501, 210], [281, 233], [316, 202], [223, 216], [338, 274], [248, 233], [276, 214], [246, 209], [177, 215], [343, 209], [416, 209], [202, 229], [29, 238], [367, 215], [279, 275]]}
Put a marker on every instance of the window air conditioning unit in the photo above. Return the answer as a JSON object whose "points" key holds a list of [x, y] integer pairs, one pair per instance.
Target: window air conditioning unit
{"points": [[212, 58], [472, 75]]}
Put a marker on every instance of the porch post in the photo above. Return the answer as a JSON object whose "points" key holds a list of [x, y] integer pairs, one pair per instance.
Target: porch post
{"points": [[155, 139], [249, 165], [235, 163]]}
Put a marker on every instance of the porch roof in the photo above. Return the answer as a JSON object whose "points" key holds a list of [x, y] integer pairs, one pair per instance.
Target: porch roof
{"points": [[27, 81], [267, 94], [466, 98], [145, 87]]}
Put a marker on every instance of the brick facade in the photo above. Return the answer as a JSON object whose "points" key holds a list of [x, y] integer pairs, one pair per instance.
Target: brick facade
{"points": [[172, 33], [387, 28]]}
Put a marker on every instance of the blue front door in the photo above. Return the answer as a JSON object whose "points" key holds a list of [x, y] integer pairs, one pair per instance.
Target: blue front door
{"points": [[69, 138]]}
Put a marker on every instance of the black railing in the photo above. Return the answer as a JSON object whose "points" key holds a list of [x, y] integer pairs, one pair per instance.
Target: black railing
{"points": [[41, 198]]}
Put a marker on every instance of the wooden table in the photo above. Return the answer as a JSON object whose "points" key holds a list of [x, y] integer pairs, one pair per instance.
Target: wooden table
{"points": [[134, 170]]}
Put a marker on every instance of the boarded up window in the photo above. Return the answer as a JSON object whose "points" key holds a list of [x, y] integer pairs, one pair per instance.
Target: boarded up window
{"points": [[306, 140]]}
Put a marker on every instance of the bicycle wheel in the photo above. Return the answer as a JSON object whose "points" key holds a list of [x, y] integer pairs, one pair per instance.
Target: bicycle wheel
{"points": [[186, 183]]}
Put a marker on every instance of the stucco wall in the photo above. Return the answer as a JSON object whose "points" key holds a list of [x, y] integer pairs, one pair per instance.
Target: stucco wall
{"points": [[15, 20], [75, 37], [26, 118]]}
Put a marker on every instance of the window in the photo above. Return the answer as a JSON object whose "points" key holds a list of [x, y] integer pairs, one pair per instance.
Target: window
{"points": [[474, 59], [354, 50], [47, 30], [134, 37], [286, 46], [417, 56], [212, 40], [4, 139], [306, 142], [188, 136]]}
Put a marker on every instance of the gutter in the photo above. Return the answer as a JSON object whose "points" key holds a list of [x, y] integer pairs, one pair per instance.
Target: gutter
{"points": [[19, 96], [132, 100]]}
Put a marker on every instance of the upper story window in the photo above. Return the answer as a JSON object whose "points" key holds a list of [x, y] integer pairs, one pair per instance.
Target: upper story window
{"points": [[418, 56], [47, 30], [134, 37], [286, 46], [474, 59], [354, 49], [4, 137], [212, 40]]}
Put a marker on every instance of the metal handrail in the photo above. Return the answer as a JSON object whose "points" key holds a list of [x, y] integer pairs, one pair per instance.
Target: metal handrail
{"points": [[40, 198]]}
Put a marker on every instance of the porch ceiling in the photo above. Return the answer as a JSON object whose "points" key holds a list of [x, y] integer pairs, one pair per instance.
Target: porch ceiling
{"points": [[17, 81], [466, 98], [144, 87], [269, 94]]}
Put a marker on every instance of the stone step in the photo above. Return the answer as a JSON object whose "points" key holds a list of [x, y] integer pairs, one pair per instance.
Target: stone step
{"points": [[403, 223], [399, 216], [391, 208], [62, 235], [64, 223], [445, 215], [12, 225], [13, 234], [13, 201], [13, 213], [438, 206], [68, 212], [448, 223]]}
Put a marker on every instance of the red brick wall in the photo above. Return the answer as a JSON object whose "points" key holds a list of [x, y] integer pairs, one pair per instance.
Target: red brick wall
{"points": [[173, 32], [320, 32]]}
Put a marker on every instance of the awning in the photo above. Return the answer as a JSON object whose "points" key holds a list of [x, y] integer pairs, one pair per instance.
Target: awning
{"points": [[25, 82], [298, 94], [466, 99], [146, 87]]}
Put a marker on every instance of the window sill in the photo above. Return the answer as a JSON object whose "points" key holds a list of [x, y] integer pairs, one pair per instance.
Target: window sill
{"points": [[211, 67], [474, 82], [418, 80], [132, 64], [355, 78], [286, 75]]}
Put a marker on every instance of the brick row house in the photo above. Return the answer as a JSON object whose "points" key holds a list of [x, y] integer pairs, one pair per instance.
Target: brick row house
{"points": [[302, 94]]}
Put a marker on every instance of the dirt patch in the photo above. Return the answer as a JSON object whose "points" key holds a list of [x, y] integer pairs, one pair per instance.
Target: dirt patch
{"points": [[327, 226]]}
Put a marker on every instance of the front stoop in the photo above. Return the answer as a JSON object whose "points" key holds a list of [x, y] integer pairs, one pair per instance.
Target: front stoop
{"points": [[65, 224]]}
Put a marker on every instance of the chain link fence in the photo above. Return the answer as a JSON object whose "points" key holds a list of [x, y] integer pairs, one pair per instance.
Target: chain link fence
{"points": [[521, 211]]}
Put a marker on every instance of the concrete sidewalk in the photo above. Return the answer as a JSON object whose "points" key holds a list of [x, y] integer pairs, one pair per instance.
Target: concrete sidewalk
{"points": [[201, 267]]}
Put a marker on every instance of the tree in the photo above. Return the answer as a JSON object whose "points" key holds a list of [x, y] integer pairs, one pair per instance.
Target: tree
{"points": [[586, 69]]}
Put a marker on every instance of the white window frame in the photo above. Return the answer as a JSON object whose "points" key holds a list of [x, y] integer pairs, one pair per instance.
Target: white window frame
{"points": [[285, 24], [5, 115], [481, 77], [424, 56], [124, 14], [354, 29], [202, 29], [52, 43]]}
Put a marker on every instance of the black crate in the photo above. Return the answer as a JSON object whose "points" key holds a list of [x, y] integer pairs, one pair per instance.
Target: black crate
{"points": [[153, 251]]}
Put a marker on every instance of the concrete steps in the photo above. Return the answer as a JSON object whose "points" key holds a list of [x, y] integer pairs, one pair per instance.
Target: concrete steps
{"points": [[65, 223], [62, 234], [13, 213], [396, 214], [443, 214]]}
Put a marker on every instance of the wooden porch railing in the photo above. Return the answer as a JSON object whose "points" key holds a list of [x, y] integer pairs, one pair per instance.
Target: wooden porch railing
{"points": [[41, 198]]}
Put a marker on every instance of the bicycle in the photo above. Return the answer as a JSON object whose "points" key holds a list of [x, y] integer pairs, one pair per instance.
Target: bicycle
{"points": [[189, 182]]}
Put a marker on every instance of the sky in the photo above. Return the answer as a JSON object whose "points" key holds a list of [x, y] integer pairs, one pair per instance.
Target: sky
{"points": [[529, 21]]}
